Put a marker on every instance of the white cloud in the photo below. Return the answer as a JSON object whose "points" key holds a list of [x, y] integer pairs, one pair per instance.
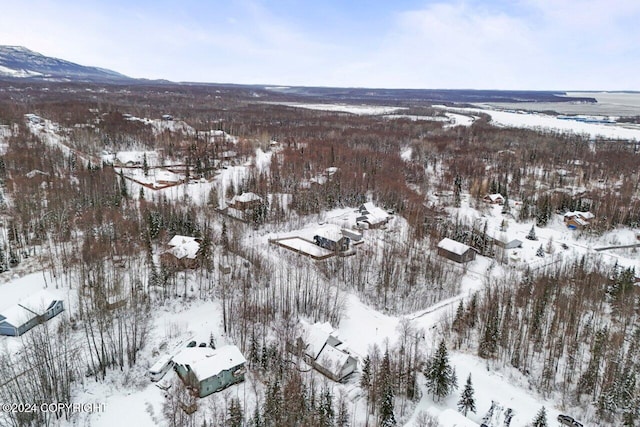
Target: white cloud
{"points": [[531, 44]]}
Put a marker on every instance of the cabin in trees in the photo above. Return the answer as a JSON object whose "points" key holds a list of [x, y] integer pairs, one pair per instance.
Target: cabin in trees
{"points": [[372, 215], [245, 201], [456, 251], [205, 370], [322, 349], [182, 253], [331, 238], [578, 220], [494, 199], [36, 309]]}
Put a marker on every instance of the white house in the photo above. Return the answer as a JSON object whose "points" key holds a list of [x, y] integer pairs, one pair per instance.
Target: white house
{"points": [[325, 351]]}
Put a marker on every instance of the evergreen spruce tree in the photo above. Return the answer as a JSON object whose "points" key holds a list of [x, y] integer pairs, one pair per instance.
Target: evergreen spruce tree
{"points": [[440, 375], [467, 401], [123, 186], [342, 418], [234, 415], [541, 418], [224, 238], [540, 252], [145, 164], [506, 208], [325, 409], [387, 417], [532, 233], [365, 377], [457, 189]]}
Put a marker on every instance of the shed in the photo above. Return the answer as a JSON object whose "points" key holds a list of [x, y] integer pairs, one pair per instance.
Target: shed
{"points": [[207, 370], [456, 251], [27, 313], [504, 240]]}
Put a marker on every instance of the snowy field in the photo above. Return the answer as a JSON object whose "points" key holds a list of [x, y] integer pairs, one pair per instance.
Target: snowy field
{"points": [[542, 122]]}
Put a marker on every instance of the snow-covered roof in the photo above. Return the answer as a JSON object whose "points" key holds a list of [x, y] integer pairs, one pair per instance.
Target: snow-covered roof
{"points": [[451, 418], [453, 246], [27, 308], [166, 176], [206, 362], [502, 236], [184, 247], [494, 197], [316, 337], [373, 214], [330, 231], [580, 217], [125, 157], [246, 197], [332, 360]]}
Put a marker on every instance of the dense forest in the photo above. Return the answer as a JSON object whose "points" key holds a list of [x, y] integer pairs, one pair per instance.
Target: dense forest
{"points": [[569, 329]]}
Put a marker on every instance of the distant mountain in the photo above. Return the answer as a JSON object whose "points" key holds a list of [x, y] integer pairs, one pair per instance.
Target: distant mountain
{"points": [[17, 62]]}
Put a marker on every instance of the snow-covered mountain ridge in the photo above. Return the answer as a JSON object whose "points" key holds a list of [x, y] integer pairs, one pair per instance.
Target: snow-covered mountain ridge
{"points": [[20, 62]]}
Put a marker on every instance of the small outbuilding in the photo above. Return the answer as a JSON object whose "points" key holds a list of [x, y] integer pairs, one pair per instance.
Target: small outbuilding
{"points": [[456, 251], [206, 370], [32, 311], [504, 240]]}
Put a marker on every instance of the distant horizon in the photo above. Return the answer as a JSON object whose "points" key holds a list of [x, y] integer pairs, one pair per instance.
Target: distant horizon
{"points": [[541, 45], [286, 86]]}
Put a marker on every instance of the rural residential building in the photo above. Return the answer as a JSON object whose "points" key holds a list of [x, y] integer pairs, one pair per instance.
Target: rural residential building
{"points": [[207, 371], [456, 251], [578, 220], [331, 238], [183, 252], [245, 201], [322, 349], [32, 311], [494, 199], [372, 215]]}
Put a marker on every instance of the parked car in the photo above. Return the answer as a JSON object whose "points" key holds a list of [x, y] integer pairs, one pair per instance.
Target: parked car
{"points": [[192, 344], [202, 344], [566, 420]]}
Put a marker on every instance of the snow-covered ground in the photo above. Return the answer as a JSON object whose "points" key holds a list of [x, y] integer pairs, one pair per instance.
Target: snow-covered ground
{"points": [[540, 121], [368, 110]]}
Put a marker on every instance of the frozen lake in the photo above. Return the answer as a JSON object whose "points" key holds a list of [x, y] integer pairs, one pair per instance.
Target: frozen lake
{"points": [[609, 104]]}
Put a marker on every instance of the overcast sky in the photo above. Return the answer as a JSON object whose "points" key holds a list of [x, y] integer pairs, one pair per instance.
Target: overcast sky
{"points": [[493, 44]]}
